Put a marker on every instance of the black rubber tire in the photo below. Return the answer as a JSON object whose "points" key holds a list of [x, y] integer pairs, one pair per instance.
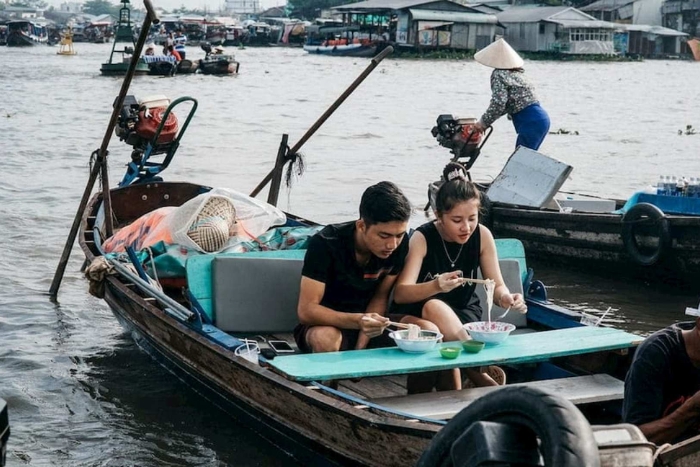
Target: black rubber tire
{"points": [[565, 434], [631, 219]]}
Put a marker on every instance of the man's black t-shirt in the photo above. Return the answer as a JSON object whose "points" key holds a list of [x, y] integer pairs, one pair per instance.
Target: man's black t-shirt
{"points": [[330, 258], [661, 377]]}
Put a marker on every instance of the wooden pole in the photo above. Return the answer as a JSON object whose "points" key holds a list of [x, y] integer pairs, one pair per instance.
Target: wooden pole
{"points": [[101, 162], [322, 119], [274, 193]]}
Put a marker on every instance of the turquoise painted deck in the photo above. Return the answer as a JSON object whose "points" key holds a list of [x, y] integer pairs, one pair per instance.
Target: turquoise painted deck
{"points": [[199, 273], [521, 348]]}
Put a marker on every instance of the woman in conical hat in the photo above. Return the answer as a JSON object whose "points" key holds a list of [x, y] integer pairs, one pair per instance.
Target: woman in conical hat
{"points": [[512, 94]]}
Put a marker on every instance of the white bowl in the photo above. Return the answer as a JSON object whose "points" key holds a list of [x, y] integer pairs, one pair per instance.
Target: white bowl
{"points": [[496, 333], [418, 346]]}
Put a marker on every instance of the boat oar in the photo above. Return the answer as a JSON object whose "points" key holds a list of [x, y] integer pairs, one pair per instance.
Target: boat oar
{"points": [[375, 61], [100, 165]]}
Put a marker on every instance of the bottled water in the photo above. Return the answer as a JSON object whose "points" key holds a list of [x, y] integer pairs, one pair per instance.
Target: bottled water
{"points": [[661, 186]]}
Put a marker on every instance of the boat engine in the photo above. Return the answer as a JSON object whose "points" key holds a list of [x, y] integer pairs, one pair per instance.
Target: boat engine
{"points": [[151, 128], [458, 135], [138, 123]]}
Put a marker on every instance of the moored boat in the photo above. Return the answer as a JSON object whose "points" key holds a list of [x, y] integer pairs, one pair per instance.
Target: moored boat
{"points": [[197, 321], [649, 235], [22, 33]]}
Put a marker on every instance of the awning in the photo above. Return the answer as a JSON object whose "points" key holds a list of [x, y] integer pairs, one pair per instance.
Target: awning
{"points": [[582, 24], [452, 16]]}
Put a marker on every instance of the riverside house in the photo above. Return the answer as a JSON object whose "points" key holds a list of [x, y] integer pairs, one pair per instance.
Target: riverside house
{"points": [[556, 29], [418, 24]]}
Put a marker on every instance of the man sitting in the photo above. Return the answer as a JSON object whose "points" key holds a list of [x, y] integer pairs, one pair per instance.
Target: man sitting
{"points": [[662, 387], [348, 273]]}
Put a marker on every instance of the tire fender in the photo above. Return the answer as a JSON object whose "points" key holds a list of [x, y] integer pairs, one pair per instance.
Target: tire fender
{"points": [[634, 216], [565, 434]]}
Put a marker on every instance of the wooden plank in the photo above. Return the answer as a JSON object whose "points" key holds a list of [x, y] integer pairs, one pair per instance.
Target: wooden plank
{"points": [[683, 454], [521, 348], [447, 404]]}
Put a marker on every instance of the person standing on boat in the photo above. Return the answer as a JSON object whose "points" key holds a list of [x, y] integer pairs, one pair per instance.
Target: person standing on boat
{"points": [[349, 270], [662, 387], [179, 41], [441, 253], [512, 94]]}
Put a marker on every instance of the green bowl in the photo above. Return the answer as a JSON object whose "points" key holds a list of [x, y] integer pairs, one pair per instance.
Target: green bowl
{"points": [[473, 346], [450, 352]]}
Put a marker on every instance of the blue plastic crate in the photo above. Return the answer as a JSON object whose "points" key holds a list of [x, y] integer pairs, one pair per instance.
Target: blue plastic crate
{"points": [[672, 204]]}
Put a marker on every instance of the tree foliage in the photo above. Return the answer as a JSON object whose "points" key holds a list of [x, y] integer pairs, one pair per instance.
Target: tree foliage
{"points": [[311, 9], [100, 7], [40, 4]]}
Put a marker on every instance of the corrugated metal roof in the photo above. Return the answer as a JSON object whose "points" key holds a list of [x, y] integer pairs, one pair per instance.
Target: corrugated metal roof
{"points": [[606, 5], [584, 24], [529, 14], [453, 16], [658, 30], [383, 5]]}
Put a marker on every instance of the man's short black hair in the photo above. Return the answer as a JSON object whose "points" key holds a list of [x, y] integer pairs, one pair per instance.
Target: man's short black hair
{"points": [[384, 202]]}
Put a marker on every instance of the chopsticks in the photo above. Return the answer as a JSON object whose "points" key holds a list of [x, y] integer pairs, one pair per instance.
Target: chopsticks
{"points": [[477, 281]]}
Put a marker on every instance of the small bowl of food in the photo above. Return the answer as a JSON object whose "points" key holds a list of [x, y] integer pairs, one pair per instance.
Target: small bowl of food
{"points": [[423, 342], [450, 352], [494, 332], [473, 346]]}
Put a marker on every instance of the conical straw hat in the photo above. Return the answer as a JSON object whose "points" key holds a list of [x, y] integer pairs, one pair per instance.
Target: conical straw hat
{"points": [[499, 55], [212, 227]]}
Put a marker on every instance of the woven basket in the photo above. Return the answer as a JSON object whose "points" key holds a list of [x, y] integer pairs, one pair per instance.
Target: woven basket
{"points": [[495, 372], [211, 229]]}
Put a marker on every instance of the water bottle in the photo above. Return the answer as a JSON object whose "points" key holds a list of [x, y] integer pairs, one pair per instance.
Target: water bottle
{"points": [[661, 186], [672, 182], [692, 190], [680, 186]]}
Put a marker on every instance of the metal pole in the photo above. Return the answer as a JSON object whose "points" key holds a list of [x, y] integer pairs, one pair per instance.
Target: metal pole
{"points": [[101, 162], [375, 61]]}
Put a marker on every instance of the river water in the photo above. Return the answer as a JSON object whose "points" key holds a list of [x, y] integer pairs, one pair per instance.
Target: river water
{"points": [[81, 393]]}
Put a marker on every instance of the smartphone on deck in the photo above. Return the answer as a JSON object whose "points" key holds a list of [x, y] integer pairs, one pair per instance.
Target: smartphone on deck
{"points": [[280, 346]]}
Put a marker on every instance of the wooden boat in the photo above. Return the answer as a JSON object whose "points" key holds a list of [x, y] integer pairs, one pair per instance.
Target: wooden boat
{"points": [[200, 336], [649, 236], [346, 50], [338, 41], [645, 241], [217, 62], [22, 33]]}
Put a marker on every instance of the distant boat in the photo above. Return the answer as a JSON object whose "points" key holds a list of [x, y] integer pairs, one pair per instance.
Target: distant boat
{"points": [[346, 41], [346, 50], [217, 62], [124, 34], [22, 33]]}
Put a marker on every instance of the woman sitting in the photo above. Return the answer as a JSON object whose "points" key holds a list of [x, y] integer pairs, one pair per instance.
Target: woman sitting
{"points": [[441, 253]]}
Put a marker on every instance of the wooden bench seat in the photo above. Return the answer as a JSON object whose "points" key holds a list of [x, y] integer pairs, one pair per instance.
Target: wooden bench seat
{"points": [[445, 405]]}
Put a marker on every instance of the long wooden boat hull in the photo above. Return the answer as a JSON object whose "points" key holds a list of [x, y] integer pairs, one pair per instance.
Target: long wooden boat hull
{"points": [[317, 425], [351, 50], [596, 240], [119, 69], [326, 426]]}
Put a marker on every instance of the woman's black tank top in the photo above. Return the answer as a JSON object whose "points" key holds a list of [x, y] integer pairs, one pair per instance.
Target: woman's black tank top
{"points": [[440, 257]]}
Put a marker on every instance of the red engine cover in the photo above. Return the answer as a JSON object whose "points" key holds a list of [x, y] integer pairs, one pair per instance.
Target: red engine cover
{"points": [[467, 130], [147, 125]]}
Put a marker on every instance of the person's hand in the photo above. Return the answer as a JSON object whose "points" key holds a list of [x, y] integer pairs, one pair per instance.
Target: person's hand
{"points": [[373, 324], [479, 126], [514, 301], [449, 281]]}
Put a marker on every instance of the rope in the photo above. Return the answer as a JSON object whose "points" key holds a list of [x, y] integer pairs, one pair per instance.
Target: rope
{"points": [[663, 448], [296, 164]]}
